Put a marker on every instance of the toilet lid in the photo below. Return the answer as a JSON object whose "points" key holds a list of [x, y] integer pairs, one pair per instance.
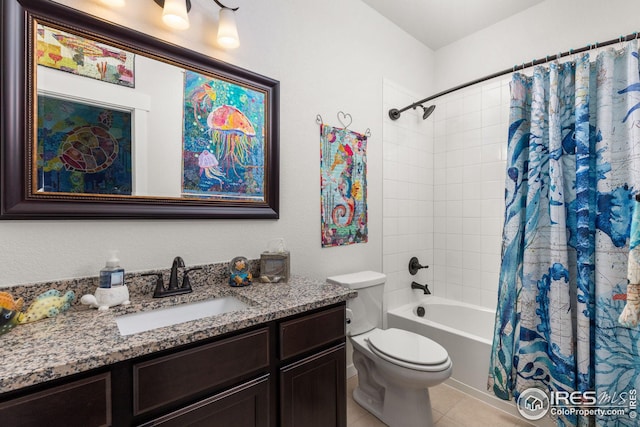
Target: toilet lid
{"points": [[409, 347]]}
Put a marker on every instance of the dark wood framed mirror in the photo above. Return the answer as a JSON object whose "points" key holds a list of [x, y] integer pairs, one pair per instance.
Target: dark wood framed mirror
{"points": [[221, 160]]}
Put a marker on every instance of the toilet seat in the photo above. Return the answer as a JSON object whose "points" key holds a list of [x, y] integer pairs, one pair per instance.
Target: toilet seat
{"points": [[410, 350]]}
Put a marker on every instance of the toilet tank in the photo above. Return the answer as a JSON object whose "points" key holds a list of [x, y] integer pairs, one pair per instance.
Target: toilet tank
{"points": [[364, 311]]}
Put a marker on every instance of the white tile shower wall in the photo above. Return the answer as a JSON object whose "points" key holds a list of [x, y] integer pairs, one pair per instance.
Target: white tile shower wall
{"points": [[407, 195], [470, 144]]}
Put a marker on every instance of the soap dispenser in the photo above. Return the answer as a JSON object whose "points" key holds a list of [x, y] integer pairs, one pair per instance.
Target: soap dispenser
{"points": [[112, 274], [112, 290]]}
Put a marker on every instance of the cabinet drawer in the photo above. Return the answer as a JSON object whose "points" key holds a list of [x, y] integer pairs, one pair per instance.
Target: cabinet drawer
{"points": [[306, 333], [186, 373], [246, 405], [81, 403]]}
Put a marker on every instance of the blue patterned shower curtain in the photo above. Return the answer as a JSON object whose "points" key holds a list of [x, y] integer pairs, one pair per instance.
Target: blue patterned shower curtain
{"points": [[573, 169]]}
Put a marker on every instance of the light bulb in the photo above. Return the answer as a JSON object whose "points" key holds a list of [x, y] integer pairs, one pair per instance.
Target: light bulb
{"points": [[174, 14], [227, 30]]}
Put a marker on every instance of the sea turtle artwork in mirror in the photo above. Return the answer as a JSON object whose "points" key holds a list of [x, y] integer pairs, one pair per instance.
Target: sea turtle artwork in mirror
{"points": [[102, 121], [83, 148]]}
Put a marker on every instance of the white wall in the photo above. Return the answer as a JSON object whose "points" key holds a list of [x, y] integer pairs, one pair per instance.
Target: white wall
{"points": [[407, 195], [469, 162], [543, 30], [443, 193], [329, 56], [471, 127]]}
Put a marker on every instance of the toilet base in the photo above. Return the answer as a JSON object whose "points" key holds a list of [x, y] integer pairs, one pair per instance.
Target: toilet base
{"points": [[400, 408], [397, 396], [367, 402]]}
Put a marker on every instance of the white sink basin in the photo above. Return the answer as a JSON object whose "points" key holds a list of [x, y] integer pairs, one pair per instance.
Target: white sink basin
{"points": [[147, 320]]}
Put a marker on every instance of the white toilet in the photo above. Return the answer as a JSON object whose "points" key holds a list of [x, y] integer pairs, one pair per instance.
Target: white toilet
{"points": [[395, 367]]}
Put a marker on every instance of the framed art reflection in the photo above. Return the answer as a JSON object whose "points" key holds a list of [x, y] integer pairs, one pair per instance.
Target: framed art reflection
{"points": [[224, 139], [82, 148], [88, 164]]}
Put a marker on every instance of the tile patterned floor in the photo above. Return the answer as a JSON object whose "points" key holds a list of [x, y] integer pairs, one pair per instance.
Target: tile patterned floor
{"points": [[451, 408]]}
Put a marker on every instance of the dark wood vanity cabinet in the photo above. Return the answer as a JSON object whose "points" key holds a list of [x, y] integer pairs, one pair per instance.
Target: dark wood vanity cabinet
{"points": [[313, 390], [167, 381], [312, 375], [177, 377], [83, 402], [289, 372], [246, 405]]}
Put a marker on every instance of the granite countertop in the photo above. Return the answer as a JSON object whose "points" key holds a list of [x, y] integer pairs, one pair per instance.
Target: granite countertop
{"points": [[84, 338]]}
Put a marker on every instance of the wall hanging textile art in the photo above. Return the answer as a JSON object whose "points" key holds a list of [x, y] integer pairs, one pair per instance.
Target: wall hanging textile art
{"points": [[82, 148], [85, 57], [224, 140], [343, 186], [573, 169]]}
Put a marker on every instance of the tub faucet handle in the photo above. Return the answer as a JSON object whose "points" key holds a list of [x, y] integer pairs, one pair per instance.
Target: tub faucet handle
{"points": [[414, 266]]}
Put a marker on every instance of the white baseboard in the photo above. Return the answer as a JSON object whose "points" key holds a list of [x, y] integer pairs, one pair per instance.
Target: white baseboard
{"points": [[351, 371]]}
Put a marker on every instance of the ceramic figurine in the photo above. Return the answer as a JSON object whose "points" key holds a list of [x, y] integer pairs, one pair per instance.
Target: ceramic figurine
{"points": [[8, 319], [239, 269], [48, 304], [7, 301], [103, 298]]}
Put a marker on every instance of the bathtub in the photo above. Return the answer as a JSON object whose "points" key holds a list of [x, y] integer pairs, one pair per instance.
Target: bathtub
{"points": [[464, 330]]}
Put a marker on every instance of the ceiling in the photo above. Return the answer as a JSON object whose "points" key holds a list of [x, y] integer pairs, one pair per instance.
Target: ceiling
{"points": [[437, 23]]}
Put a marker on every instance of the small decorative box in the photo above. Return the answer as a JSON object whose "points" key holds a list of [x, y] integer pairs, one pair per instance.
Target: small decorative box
{"points": [[274, 267]]}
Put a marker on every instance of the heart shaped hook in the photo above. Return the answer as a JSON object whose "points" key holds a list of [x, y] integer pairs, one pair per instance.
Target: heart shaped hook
{"points": [[342, 117]]}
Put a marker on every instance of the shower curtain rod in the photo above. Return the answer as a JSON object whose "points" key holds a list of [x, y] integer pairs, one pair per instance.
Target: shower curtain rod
{"points": [[395, 113]]}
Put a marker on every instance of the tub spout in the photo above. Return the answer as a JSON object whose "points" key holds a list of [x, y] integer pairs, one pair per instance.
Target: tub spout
{"points": [[424, 287]]}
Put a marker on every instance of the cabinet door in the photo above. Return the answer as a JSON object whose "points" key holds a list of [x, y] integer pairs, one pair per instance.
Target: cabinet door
{"points": [[82, 403], [313, 390], [246, 405]]}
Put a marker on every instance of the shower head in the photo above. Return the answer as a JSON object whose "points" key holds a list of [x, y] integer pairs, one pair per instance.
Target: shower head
{"points": [[427, 111], [394, 113]]}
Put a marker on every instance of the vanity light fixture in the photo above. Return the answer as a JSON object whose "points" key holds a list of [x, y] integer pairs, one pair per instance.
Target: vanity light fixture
{"points": [[174, 13], [227, 28]]}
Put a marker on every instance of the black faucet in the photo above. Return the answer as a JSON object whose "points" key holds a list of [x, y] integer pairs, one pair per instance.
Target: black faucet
{"points": [[173, 288], [424, 287], [178, 262]]}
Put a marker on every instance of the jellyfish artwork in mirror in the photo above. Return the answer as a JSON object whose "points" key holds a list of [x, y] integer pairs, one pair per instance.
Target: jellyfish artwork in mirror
{"points": [[223, 141]]}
